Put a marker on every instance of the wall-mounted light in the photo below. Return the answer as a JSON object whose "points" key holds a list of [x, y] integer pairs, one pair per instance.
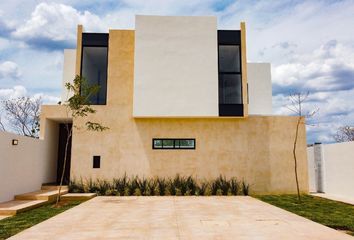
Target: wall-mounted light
{"points": [[14, 142]]}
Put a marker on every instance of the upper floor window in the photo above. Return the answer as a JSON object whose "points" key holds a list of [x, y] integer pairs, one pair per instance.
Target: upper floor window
{"points": [[94, 64], [230, 73], [229, 59], [230, 89]]}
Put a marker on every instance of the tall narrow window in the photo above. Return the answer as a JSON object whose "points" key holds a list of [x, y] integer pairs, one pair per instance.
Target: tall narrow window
{"points": [[94, 64], [230, 89], [230, 73], [229, 58]]}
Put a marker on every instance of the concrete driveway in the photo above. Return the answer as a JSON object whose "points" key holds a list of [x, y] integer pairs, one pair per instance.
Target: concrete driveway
{"points": [[178, 218]]}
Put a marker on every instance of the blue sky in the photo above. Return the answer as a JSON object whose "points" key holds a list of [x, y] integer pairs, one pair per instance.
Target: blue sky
{"points": [[309, 43]]}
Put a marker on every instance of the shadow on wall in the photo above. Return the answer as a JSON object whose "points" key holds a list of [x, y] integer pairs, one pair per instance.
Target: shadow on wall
{"points": [[29, 164]]}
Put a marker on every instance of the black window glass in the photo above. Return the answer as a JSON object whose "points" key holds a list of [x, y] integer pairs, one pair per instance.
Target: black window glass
{"points": [[169, 143], [230, 90], [177, 143], [157, 143], [94, 70], [96, 161], [187, 143], [229, 58]]}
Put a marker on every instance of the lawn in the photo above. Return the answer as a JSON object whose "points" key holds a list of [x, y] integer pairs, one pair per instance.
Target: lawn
{"points": [[13, 225], [333, 214]]}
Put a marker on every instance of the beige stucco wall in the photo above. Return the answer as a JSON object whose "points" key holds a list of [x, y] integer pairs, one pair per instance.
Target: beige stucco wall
{"points": [[244, 68], [24, 167], [176, 67], [256, 149]]}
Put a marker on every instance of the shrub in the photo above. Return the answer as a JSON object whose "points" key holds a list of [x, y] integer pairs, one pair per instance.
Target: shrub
{"points": [[220, 184], [126, 191], [245, 188], [178, 186], [208, 191], [234, 186], [76, 186], [178, 192], [137, 192], [103, 186], [92, 187]]}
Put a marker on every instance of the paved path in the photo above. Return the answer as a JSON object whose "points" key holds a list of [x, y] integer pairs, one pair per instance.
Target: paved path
{"points": [[178, 218], [335, 198]]}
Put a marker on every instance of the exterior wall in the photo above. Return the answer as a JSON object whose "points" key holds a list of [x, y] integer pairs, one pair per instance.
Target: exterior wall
{"points": [[256, 149], [68, 71], [176, 67], [312, 169], [259, 89], [26, 166], [244, 69], [338, 168], [80, 29]]}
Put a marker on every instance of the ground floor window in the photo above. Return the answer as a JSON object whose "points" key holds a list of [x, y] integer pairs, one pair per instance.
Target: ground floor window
{"points": [[173, 143]]}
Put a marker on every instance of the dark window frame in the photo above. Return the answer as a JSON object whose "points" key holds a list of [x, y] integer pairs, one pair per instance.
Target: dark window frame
{"points": [[174, 144], [96, 161], [240, 59], [230, 37], [233, 72], [102, 45]]}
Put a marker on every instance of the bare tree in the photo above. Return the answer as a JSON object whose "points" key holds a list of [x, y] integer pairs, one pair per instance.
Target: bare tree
{"points": [[21, 115], [296, 105], [344, 134], [2, 127], [78, 106]]}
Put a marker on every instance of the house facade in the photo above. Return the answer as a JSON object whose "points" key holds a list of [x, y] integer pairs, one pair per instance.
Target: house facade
{"points": [[179, 97]]}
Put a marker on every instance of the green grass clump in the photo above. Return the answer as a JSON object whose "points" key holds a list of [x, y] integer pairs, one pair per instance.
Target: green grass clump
{"points": [[333, 214], [21, 221], [177, 186]]}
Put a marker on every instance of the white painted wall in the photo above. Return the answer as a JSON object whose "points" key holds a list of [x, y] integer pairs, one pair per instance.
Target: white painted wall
{"points": [[68, 71], [338, 169], [176, 69], [312, 169], [23, 168], [259, 89]]}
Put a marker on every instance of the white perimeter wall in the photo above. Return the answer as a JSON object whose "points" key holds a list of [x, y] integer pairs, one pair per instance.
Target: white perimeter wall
{"points": [[259, 89], [23, 168], [68, 71], [176, 68], [312, 169], [338, 169]]}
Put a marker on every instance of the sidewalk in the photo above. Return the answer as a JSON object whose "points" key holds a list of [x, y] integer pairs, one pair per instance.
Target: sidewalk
{"points": [[334, 197], [231, 218]]}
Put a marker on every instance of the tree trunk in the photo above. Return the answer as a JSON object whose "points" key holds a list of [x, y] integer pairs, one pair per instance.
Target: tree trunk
{"points": [[64, 164], [295, 159]]}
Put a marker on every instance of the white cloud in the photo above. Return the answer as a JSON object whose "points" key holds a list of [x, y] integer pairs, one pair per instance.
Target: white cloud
{"points": [[21, 91], [15, 92], [9, 69], [328, 68], [56, 22], [335, 110], [47, 99]]}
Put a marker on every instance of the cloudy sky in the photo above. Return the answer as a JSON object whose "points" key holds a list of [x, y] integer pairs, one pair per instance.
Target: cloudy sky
{"points": [[309, 43]]}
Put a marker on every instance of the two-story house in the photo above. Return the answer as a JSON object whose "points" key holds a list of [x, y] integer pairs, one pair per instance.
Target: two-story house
{"points": [[179, 97]]}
